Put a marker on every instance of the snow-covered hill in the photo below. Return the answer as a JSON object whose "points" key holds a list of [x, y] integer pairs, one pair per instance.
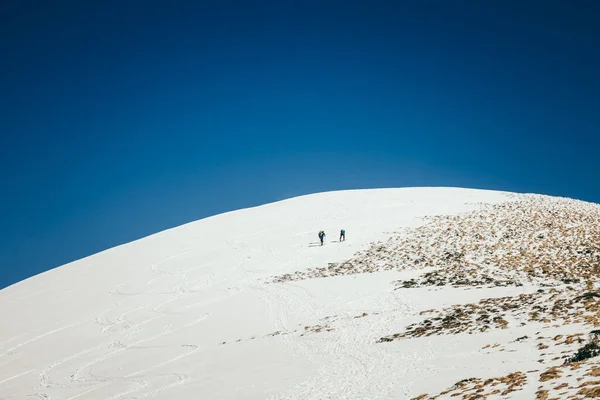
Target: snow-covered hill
{"points": [[436, 293]]}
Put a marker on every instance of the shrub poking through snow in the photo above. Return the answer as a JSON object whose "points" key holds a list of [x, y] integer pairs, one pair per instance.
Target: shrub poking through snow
{"points": [[587, 296], [589, 350]]}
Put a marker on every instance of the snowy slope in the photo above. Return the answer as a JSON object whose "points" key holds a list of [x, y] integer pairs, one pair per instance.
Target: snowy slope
{"points": [[233, 307]]}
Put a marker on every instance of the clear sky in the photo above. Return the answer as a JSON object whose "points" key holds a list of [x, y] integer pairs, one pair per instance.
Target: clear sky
{"points": [[121, 118]]}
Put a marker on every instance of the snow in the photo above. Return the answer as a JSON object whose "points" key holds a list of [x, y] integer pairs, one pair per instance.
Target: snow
{"points": [[192, 312]]}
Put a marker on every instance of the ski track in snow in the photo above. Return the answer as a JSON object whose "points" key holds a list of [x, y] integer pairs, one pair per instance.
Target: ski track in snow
{"points": [[212, 324]]}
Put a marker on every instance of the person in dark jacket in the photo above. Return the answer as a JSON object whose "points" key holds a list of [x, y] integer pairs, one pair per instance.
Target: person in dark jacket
{"points": [[321, 237], [343, 235]]}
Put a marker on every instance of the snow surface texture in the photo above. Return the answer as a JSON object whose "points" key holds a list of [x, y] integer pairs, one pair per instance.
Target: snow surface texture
{"points": [[436, 293]]}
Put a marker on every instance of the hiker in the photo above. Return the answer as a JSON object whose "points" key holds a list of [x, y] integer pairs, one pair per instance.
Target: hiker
{"points": [[343, 235], [321, 237]]}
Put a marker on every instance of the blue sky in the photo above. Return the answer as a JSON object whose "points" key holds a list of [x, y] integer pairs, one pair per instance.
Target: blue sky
{"points": [[124, 118]]}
